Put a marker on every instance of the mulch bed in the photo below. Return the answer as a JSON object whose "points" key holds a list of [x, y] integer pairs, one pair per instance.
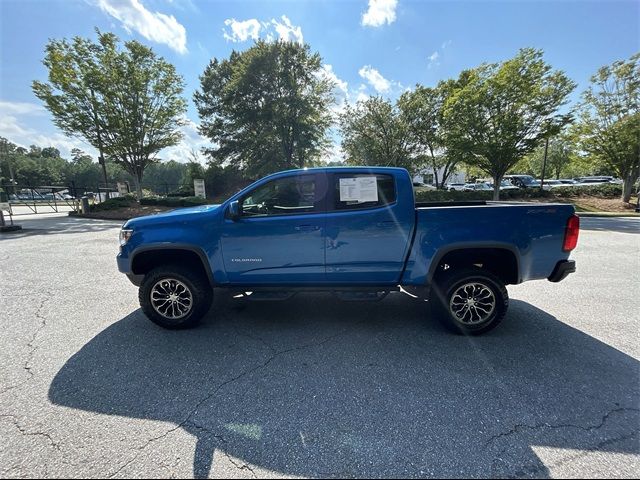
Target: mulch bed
{"points": [[123, 213]]}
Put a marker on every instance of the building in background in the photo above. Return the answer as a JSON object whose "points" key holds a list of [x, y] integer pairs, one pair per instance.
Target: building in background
{"points": [[427, 177]]}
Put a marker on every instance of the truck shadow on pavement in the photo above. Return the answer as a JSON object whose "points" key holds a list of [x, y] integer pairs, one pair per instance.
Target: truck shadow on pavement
{"points": [[319, 388]]}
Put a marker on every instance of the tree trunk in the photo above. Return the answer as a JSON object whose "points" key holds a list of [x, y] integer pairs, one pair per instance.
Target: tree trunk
{"points": [[138, 177], [627, 187], [496, 187]]}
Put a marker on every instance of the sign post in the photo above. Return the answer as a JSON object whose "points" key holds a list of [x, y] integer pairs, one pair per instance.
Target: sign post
{"points": [[198, 187], [123, 188]]}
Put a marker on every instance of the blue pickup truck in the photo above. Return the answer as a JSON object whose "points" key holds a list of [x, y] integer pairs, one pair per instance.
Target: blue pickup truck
{"points": [[356, 232]]}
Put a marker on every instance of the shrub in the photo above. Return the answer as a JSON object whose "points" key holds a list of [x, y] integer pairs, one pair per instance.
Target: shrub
{"points": [[114, 203], [446, 196], [173, 201], [606, 190], [183, 191]]}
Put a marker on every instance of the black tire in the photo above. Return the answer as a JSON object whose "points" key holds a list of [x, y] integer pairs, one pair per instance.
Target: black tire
{"points": [[198, 287], [470, 282]]}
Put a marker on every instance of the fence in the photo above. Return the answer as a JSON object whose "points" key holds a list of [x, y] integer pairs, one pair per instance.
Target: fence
{"points": [[29, 199]]}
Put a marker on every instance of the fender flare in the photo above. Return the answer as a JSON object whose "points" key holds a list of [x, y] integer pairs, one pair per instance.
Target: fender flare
{"points": [[175, 246], [439, 255]]}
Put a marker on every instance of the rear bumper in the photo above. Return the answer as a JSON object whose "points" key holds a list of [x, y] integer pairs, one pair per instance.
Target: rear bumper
{"points": [[563, 268]]}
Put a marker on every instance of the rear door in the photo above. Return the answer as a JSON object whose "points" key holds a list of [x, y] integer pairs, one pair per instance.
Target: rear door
{"points": [[279, 238], [367, 237]]}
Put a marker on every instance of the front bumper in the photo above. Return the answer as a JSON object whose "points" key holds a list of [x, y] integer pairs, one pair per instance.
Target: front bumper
{"points": [[563, 268], [125, 267]]}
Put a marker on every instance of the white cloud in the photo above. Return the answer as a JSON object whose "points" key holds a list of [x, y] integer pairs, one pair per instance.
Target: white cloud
{"points": [[340, 89], [15, 130], [433, 59], [154, 26], [375, 79], [20, 124], [340, 85], [191, 141], [379, 13], [20, 108], [242, 31], [287, 31], [362, 96]]}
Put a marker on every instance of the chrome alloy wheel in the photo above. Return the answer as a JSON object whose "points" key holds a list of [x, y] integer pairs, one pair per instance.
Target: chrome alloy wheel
{"points": [[472, 303], [171, 298]]}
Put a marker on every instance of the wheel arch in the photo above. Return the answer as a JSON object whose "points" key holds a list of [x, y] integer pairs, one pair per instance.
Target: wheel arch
{"points": [[502, 259], [146, 258]]}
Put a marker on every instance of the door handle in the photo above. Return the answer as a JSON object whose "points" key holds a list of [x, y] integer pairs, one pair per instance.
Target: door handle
{"points": [[389, 224], [307, 228]]}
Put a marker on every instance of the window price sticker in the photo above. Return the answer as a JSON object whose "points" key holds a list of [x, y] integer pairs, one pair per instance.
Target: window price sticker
{"points": [[359, 189]]}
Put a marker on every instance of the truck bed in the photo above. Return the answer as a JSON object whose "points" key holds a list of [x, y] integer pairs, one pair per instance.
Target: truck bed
{"points": [[533, 231]]}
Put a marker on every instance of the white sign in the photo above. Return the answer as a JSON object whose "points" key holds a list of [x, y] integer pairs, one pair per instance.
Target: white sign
{"points": [[198, 187], [123, 188], [359, 189], [5, 206]]}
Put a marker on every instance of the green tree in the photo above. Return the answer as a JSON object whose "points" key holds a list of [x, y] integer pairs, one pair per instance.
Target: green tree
{"points": [[266, 108], [501, 112], [609, 127], [193, 170], [559, 155], [127, 102], [423, 112], [374, 132]]}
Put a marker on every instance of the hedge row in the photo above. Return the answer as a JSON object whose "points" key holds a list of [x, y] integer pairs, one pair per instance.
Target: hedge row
{"points": [[603, 191], [114, 203], [446, 196], [173, 201], [606, 191]]}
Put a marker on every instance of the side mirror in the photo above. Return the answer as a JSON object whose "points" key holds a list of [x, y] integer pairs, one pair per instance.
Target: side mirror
{"points": [[234, 210]]}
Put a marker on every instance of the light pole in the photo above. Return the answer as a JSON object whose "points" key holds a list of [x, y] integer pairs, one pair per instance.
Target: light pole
{"points": [[544, 161]]}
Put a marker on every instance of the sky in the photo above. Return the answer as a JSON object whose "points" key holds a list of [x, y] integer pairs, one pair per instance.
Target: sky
{"points": [[368, 47]]}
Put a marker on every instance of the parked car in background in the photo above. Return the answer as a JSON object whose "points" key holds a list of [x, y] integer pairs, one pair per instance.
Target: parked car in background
{"points": [[423, 186], [452, 187], [552, 182], [506, 185], [474, 187], [598, 180], [522, 181], [567, 181]]}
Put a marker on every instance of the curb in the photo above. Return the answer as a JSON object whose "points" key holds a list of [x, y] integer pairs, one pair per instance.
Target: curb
{"points": [[98, 217], [609, 214]]}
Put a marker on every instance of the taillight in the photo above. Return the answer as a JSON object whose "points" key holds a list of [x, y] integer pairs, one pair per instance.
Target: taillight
{"points": [[571, 233]]}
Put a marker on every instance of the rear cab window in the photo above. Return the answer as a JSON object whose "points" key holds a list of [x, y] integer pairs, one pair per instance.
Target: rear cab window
{"points": [[366, 190]]}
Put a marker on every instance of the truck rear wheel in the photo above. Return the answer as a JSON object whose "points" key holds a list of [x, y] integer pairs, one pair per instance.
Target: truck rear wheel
{"points": [[469, 301], [173, 296]]}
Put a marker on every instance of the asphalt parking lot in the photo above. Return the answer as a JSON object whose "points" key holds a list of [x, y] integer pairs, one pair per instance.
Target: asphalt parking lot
{"points": [[313, 387]]}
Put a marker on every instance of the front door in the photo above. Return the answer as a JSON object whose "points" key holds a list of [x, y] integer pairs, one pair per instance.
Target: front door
{"points": [[279, 238]]}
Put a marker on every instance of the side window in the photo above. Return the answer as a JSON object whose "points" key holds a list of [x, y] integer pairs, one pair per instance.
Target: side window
{"points": [[363, 191], [281, 197]]}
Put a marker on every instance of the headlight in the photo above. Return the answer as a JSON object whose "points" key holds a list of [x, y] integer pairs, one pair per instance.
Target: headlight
{"points": [[125, 235]]}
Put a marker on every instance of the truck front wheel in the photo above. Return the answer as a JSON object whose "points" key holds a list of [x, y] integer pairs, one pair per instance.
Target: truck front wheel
{"points": [[173, 296], [469, 301]]}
